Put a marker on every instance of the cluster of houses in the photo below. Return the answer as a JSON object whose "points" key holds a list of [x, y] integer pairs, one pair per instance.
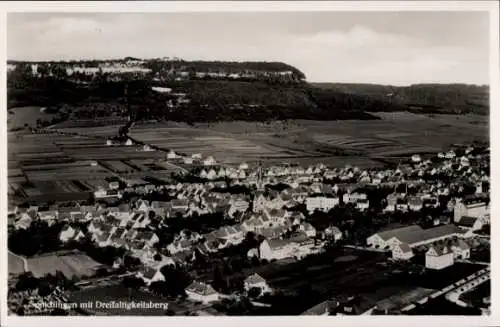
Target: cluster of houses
{"points": [[443, 243], [269, 213], [183, 73], [205, 293]]}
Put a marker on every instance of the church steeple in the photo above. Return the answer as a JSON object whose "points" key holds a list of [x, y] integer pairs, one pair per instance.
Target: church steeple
{"points": [[260, 178]]}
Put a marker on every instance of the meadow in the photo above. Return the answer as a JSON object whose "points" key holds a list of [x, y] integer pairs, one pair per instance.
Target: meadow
{"points": [[336, 143], [72, 264]]}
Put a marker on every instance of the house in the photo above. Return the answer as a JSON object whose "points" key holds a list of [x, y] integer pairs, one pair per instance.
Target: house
{"points": [[114, 185], [470, 207], [259, 202], [402, 251], [103, 239], [140, 220], [416, 158], [439, 257], [276, 249], [415, 203], [209, 161], [413, 235], [238, 205], [179, 246], [333, 232], [171, 155], [48, 215], [196, 156], [321, 203], [401, 205], [471, 223], [392, 201], [362, 205], [149, 238], [461, 250], [24, 222], [443, 220], [202, 292], [69, 233], [150, 275], [431, 202], [308, 229], [257, 281], [354, 197]]}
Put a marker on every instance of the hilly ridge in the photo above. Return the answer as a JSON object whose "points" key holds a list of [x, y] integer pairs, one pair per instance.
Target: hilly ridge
{"points": [[427, 98], [261, 93]]}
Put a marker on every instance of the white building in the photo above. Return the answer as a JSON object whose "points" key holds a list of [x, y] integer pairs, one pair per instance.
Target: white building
{"points": [[257, 281], [461, 250], [439, 257], [413, 236], [363, 205], [416, 158], [150, 275], [209, 161], [333, 232], [354, 197], [276, 249], [202, 292], [321, 203], [402, 251], [171, 155], [470, 208], [70, 233]]}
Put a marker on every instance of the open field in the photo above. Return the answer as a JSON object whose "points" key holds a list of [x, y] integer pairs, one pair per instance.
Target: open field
{"points": [[20, 116], [73, 264], [68, 167], [400, 300], [337, 143], [97, 131], [117, 294], [15, 264]]}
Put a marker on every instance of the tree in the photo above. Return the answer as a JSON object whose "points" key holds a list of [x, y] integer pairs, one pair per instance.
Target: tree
{"points": [[44, 288], [254, 292], [176, 279], [27, 281], [133, 282], [170, 312], [218, 279], [255, 261], [131, 263], [101, 272], [151, 215], [157, 257]]}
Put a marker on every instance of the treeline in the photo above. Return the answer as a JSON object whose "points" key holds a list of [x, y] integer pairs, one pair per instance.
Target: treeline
{"points": [[209, 100], [422, 98], [228, 67]]}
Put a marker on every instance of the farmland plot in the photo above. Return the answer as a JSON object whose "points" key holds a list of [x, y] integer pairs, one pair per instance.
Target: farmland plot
{"points": [[70, 265]]}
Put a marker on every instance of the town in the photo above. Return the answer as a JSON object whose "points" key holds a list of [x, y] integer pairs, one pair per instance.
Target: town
{"points": [[240, 239], [272, 164]]}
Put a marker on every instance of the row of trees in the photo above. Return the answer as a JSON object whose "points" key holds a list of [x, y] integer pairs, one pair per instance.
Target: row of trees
{"points": [[38, 238]]}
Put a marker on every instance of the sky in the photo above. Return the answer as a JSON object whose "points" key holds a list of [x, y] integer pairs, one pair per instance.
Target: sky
{"points": [[397, 48]]}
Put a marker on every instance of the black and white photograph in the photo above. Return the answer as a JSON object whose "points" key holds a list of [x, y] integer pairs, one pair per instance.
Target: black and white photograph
{"points": [[248, 163]]}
